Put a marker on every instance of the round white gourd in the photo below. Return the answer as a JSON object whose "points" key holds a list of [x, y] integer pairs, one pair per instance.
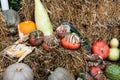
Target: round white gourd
{"points": [[61, 74], [18, 71]]}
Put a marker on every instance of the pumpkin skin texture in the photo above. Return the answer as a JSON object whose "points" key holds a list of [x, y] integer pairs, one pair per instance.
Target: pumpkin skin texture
{"points": [[101, 48], [62, 30], [61, 74], [71, 41], [27, 27], [18, 71], [12, 19], [50, 42], [36, 38]]}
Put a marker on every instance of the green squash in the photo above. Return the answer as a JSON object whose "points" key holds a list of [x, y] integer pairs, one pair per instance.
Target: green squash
{"points": [[61, 74], [12, 20], [113, 72]]}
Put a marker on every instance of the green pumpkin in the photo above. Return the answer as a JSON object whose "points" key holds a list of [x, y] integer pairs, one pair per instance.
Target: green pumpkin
{"points": [[61, 74], [12, 20]]}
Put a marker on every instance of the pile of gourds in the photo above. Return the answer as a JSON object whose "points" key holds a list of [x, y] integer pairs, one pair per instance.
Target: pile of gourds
{"points": [[37, 32], [21, 71]]}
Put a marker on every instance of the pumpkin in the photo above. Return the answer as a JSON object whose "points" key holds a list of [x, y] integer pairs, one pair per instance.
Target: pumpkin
{"points": [[97, 73], [61, 74], [101, 48], [36, 38], [27, 27], [62, 30], [12, 20], [71, 41], [50, 43], [18, 71]]}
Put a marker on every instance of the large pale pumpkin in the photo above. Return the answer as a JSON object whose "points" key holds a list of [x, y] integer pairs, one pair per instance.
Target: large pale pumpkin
{"points": [[18, 71], [61, 74]]}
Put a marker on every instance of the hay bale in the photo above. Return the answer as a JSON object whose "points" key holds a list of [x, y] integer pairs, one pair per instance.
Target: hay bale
{"points": [[95, 19], [3, 30], [40, 61]]}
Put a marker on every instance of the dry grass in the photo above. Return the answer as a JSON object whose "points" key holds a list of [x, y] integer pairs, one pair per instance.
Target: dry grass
{"points": [[95, 20], [41, 61], [3, 30]]}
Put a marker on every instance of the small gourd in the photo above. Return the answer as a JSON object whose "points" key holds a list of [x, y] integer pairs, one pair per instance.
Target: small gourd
{"points": [[12, 19], [25, 28], [18, 71], [61, 74], [36, 37]]}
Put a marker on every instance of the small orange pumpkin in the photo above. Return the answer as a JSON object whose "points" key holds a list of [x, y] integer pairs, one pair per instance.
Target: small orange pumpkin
{"points": [[27, 27]]}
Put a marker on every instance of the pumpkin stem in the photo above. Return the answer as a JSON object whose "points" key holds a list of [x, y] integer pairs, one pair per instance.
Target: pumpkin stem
{"points": [[19, 69], [102, 50], [48, 70]]}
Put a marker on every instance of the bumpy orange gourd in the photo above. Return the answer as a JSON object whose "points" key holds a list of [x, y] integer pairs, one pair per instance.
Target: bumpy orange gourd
{"points": [[27, 27]]}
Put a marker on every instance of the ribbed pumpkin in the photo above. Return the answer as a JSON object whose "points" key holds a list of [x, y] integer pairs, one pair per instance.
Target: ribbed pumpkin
{"points": [[27, 27], [36, 37], [61, 74], [12, 20], [18, 71]]}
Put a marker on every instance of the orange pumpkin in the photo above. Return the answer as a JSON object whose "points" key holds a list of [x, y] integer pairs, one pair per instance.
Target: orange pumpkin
{"points": [[27, 27]]}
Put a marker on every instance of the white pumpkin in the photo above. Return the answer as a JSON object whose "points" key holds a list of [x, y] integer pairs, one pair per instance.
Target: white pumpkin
{"points": [[61, 74], [18, 71]]}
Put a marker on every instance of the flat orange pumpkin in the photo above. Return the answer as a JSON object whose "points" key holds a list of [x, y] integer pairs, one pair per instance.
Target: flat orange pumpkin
{"points": [[27, 27]]}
